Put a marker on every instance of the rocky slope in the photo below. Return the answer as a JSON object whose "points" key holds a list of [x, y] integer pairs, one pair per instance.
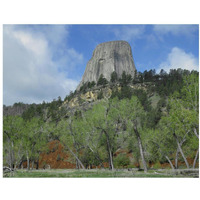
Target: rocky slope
{"points": [[91, 96]]}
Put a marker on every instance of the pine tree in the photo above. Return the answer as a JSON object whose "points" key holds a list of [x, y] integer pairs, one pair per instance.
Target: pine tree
{"points": [[102, 81], [114, 77]]}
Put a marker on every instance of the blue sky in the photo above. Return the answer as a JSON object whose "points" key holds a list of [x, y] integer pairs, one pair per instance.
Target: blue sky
{"points": [[42, 62]]}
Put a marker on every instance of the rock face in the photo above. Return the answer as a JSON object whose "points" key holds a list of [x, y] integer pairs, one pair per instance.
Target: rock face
{"points": [[107, 58]]}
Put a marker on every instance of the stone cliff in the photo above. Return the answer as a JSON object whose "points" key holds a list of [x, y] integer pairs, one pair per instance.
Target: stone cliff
{"points": [[107, 58]]}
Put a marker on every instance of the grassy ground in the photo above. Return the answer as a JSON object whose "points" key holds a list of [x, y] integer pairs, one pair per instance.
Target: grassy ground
{"points": [[73, 173]]}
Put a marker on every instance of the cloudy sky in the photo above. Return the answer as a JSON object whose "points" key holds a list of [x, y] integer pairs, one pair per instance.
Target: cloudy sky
{"points": [[42, 62]]}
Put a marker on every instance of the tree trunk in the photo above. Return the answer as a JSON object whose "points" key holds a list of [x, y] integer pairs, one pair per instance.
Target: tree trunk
{"points": [[141, 148], [32, 164], [195, 159], [20, 165], [81, 164], [77, 164], [37, 163], [12, 156], [96, 156], [28, 162], [110, 156], [176, 158], [195, 132], [10, 164], [177, 153], [169, 162], [180, 149], [111, 160]]}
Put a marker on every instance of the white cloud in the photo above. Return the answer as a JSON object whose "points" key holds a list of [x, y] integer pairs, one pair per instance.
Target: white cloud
{"points": [[129, 33], [30, 73], [178, 58], [187, 30], [37, 45]]}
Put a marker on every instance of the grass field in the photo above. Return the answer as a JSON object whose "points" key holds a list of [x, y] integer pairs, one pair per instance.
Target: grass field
{"points": [[96, 173]]}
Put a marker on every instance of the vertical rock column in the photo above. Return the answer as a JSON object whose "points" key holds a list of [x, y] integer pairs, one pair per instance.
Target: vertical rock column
{"points": [[107, 58]]}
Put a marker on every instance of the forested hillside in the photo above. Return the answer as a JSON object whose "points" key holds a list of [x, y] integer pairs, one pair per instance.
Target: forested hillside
{"points": [[150, 120]]}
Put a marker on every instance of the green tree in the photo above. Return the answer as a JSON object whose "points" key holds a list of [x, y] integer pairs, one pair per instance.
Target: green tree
{"points": [[71, 133], [114, 77], [12, 143], [91, 84], [97, 118], [187, 103], [164, 140], [23, 140], [104, 118], [102, 81], [190, 91], [143, 98], [177, 128], [130, 112], [125, 79], [100, 95], [84, 87], [150, 144], [125, 92], [34, 140]]}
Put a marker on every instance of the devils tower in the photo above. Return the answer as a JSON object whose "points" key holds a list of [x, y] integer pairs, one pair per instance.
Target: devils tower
{"points": [[107, 58]]}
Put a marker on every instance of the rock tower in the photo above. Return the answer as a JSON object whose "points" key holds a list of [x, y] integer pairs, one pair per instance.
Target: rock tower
{"points": [[107, 58]]}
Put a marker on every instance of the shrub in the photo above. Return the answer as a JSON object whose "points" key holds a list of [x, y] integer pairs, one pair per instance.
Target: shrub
{"points": [[157, 165], [100, 95], [121, 160], [115, 93], [58, 157]]}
